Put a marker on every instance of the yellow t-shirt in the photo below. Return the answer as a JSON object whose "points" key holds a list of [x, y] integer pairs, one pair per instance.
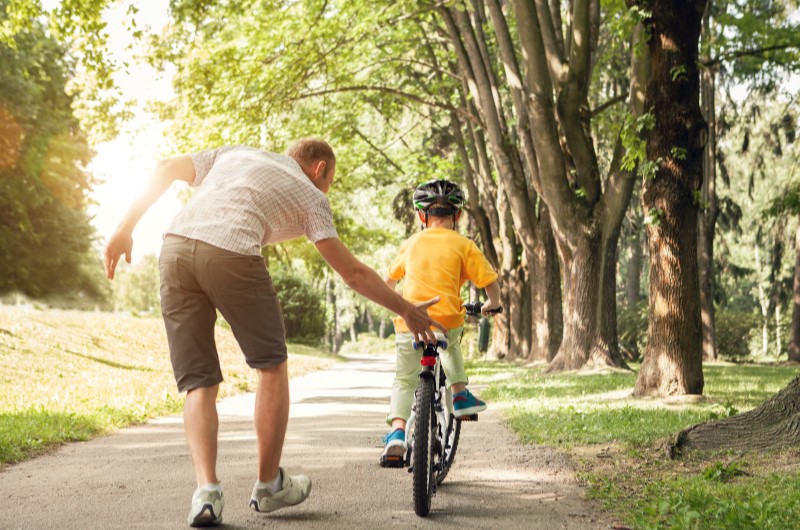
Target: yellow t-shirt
{"points": [[437, 262]]}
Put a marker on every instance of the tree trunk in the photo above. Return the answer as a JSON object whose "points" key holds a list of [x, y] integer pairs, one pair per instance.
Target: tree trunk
{"points": [[633, 274], [546, 309], [334, 333], [586, 340], [773, 425], [763, 302], [511, 331], [673, 358], [708, 214], [794, 345]]}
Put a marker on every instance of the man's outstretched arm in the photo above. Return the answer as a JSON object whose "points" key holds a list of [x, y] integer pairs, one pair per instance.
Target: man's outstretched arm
{"points": [[368, 283], [165, 173]]}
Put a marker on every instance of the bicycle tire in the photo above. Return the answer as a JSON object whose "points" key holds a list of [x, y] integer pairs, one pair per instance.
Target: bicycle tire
{"points": [[424, 448], [450, 447]]}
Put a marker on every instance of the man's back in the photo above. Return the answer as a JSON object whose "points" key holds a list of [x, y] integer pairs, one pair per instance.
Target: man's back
{"points": [[248, 198]]}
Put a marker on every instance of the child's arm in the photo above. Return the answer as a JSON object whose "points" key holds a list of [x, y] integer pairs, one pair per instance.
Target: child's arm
{"points": [[390, 282], [493, 292]]}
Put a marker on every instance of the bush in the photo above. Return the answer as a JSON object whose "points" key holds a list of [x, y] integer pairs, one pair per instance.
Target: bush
{"points": [[301, 303], [632, 328], [735, 329]]}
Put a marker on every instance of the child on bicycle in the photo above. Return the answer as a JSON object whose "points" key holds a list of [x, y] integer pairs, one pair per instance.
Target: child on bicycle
{"points": [[436, 262]]}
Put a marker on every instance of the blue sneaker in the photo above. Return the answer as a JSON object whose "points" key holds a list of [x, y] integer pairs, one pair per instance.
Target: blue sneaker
{"points": [[465, 404], [395, 450]]}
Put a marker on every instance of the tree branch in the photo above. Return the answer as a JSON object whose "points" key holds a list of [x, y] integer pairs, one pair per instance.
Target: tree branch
{"points": [[377, 149], [555, 54], [610, 103], [744, 53], [390, 90]]}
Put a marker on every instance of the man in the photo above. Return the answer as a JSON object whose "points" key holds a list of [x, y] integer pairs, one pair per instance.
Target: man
{"points": [[211, 260]]}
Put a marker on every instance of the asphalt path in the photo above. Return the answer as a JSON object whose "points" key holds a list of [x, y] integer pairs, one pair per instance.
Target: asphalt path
{"points": [[141, 477]]}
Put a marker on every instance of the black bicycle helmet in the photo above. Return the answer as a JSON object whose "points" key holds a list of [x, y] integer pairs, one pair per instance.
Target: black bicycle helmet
{"points": [[439, 197]]}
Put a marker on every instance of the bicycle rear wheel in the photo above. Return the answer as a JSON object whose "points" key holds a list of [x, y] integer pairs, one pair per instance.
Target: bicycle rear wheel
{"points": [[423, 455]]}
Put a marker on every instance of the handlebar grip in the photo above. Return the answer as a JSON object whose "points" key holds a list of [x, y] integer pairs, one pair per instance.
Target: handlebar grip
{"points": [[474, 309], [439, 344]]}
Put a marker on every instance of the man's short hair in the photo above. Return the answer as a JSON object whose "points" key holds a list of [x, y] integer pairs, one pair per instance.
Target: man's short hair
{"points": [[309, 150]]}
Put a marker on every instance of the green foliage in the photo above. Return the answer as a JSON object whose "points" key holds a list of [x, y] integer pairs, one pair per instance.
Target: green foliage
{"points": [[136, 288], [734, 330], [45, 234], [301, 304], [695, 503], [678, 73], [632, 327], [722, 472], [632, 136]]}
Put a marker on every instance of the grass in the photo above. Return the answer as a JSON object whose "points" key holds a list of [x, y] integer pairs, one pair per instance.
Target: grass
{"points": [[617, 444], [71, 375]]}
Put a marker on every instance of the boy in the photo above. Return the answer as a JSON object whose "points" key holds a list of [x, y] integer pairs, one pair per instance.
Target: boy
{"points": [[436, 262]]}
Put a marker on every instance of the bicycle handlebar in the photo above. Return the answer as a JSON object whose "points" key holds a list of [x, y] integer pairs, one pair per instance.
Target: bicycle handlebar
{"points": [[474, 309]]}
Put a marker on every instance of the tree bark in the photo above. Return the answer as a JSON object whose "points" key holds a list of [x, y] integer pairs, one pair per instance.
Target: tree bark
{"points": [[794, 344], [633, 274], [773, 425], [673, 358], [710, 210], [546, 307]]}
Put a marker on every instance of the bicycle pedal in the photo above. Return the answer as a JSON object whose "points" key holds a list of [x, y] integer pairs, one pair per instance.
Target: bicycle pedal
{"points": [[471, 417], [392, 461]]}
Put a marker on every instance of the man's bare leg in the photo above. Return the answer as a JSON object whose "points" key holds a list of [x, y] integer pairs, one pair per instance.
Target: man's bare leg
{"points": [[271, 418], [201, 424]]}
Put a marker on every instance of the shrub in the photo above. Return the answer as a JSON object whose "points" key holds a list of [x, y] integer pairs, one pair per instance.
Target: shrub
{"points": [[632, 328], [735, 328], [301, 303]]}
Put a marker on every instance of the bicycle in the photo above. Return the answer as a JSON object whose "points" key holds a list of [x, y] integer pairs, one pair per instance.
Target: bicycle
{"points": [[432, 409]]}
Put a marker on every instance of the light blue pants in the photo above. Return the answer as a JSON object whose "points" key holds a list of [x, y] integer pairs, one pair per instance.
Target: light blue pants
{"points": [[408, 368]]}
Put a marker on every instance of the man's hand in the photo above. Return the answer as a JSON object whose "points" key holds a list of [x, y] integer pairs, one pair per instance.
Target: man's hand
{"points": [[419, 323], [119, 244]]}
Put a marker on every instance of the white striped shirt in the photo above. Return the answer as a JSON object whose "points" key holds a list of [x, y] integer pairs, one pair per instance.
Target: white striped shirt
{"points": [[248, 198]]}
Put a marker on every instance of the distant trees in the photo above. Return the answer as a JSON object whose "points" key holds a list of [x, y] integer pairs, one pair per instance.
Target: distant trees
{"points": [[45, 233]]}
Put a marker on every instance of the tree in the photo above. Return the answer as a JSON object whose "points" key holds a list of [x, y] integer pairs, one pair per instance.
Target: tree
{"points": [[751, 45], [673, 356], [552, 160], [45, 234]]}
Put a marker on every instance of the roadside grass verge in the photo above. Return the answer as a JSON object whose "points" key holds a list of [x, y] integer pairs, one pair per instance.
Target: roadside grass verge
{"points": [[71, 375], [617, 444]]}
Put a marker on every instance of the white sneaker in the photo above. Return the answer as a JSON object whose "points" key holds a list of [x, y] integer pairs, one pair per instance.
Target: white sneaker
{"points": [[294, 490], [207, 505]]}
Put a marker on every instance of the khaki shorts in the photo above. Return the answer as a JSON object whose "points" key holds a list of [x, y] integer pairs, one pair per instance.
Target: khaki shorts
{"points": [[196, 280]]}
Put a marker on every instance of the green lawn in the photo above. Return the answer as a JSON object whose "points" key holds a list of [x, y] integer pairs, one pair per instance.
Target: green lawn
{"points": [[70, 375], [617, 443]]}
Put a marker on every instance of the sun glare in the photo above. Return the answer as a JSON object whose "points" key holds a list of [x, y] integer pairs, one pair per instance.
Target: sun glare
{"points": [[123, 165]]}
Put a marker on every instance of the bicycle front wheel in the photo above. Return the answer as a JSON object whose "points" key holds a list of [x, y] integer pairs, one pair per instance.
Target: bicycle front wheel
{"points": [[450, 438], [423, 455]]}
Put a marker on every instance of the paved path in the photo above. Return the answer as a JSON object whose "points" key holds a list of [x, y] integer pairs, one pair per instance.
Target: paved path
{"points": [[141, 477]]}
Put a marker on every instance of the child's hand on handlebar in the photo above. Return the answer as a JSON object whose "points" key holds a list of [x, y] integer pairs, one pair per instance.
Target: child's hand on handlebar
{"points": [[491, 307]]}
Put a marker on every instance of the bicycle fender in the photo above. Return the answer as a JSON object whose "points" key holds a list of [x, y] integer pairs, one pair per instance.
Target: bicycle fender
{"points": [[426, 374]]}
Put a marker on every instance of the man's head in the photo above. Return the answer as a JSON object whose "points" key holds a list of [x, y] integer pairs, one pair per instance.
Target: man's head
{"points": [[317, 160], [438, 198]]}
